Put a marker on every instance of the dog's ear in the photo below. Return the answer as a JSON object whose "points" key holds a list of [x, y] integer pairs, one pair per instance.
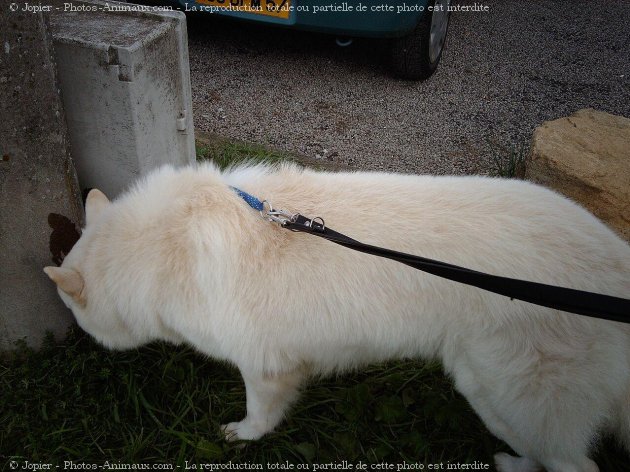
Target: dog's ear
{"points": [[95, 203], [68, 280]]}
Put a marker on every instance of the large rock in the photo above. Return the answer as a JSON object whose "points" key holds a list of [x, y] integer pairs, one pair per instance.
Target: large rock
{"points": [[587, 158]]}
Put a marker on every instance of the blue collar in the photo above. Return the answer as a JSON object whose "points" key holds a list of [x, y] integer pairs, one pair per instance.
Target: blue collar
{"points": [[250, 199]]}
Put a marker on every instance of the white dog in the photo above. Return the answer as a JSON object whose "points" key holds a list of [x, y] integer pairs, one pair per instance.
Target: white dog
{"points": [[182, 258]]}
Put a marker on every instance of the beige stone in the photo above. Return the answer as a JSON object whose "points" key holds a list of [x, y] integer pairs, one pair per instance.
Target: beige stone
{"points": [[586, 157]]}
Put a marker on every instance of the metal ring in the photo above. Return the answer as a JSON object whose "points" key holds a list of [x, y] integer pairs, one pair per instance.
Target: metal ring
{"points": [[265, 213], [323, 224]]}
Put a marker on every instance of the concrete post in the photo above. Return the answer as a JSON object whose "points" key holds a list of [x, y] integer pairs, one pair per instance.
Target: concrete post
{"points": [[125, 84], [38, 187]]}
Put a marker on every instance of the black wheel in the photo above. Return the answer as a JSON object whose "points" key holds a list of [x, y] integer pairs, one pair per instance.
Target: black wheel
{"points": [[417, 55]]}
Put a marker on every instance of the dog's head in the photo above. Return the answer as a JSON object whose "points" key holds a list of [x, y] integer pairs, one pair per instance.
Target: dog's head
{"points": [[83, 289]]}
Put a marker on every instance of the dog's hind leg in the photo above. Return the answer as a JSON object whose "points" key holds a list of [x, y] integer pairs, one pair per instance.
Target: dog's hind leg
{"points": [[552, 431], [553, 454], [268, 398]]}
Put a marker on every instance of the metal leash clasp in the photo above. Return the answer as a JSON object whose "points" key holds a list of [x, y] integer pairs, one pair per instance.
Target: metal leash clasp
{"points": [[282, 217]]}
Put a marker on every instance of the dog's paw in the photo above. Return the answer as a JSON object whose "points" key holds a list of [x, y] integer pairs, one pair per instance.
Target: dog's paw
{"points": [[241, 431], [508, 463], [229, 431]]}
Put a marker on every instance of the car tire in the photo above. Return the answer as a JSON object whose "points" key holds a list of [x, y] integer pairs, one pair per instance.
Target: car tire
{"points": [[417, 55]]}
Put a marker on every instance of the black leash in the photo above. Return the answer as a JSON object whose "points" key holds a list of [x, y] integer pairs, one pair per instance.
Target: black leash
{"points": [[570, 300], [566, 299]]}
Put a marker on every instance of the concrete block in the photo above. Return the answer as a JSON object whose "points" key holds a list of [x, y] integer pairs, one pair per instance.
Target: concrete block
{"points": [[38, 187], [125, 84]]}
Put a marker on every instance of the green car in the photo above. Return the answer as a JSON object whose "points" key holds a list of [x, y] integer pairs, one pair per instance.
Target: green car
{"points": [[416, 28]]}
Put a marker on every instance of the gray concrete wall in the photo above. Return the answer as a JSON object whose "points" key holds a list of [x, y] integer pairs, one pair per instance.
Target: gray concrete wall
{"points": [[38, 188]]}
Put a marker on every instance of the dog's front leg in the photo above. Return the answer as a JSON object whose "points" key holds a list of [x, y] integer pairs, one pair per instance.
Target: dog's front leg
{"points": [[268, 397]]}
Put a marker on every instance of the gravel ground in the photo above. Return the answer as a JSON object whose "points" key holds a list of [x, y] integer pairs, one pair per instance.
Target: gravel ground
{"points": [[503, 73]]}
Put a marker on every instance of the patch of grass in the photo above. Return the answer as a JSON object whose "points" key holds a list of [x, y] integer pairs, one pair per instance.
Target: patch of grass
{"points": [[226, 153], [511, 163], [76, 401]]}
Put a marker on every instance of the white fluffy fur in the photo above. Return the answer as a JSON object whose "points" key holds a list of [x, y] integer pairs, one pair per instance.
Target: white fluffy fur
{"points": [[182, 258]]}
